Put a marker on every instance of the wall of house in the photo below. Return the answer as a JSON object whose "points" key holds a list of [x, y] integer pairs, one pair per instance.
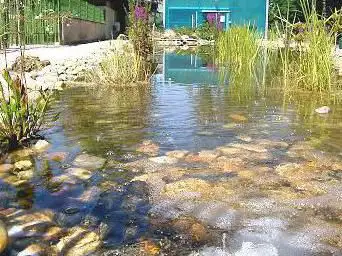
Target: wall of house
{"points": [[78, 31], [110, 19], [180, 13]]}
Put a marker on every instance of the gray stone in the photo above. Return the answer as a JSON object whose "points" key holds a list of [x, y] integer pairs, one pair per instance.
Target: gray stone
{"points": [[89, 162], [322, 110], [164, 160], [41, 145]]}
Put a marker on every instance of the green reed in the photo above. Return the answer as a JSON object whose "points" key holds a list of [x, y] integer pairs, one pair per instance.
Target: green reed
{"points": [[297, 60], [307, 57], [238, 48], [123, 68], [20, 118]]}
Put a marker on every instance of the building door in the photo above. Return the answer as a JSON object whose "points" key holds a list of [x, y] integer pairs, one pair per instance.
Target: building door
{"points": [[220, 19]]}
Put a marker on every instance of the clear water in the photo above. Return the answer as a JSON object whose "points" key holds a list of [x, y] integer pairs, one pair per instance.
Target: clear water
{"points": [[186, 108]]}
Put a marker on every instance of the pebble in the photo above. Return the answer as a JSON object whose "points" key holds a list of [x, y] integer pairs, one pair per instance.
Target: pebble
{"points": [[41, 145], [323, 110], [164, 160], [89, 162]]}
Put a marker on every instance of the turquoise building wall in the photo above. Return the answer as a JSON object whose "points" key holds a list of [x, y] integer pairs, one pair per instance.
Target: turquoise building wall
{"points": [[192, 13]]}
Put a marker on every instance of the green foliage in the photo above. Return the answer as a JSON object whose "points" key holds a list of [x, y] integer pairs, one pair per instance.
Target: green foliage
{"points": [[123, 68], [308, 64], [283, 8], [302, 58], [20, 118], [204, 31], [238, 48]]}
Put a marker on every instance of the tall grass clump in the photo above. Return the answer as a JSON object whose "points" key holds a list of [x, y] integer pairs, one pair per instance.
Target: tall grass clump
{"points": [[20, 118], [238, 48], [132, 64], [122, 68], [307, 56]]}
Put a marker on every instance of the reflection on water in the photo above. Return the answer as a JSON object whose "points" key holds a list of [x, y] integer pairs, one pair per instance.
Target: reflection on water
{"points": [[190, 112], [185, 108]]}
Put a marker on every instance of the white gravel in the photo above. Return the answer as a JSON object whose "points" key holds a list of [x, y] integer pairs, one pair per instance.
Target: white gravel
{"points": [[57, 53]]}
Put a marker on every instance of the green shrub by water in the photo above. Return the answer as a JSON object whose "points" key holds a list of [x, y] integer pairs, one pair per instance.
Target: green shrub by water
{"points": [[20, 118]]}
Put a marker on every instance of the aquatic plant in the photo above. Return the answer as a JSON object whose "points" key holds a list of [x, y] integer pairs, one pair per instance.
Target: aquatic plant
{"points": [[238, 50], [140, 31], [307, 57], [123, 68], [21, 118]]}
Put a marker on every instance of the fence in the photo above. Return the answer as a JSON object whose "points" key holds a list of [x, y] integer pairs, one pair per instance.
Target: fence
{"points": [[38, 21]]}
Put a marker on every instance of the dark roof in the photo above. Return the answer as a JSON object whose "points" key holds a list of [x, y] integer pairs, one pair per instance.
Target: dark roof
{"points": [[115, 4]]}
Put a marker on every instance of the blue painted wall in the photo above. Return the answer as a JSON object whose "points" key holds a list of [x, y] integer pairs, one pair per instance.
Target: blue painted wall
{"points": [[191, 13]]}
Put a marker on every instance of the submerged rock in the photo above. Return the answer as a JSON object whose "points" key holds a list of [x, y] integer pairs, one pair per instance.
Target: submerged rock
{"points": [[164, 160], [89, 162], [3, 237], [57, 156], [208, 155], [238, 117], [20, 154], [26, 175], [194, 229], [323, 110], [29, 223], [79, 173], [177, 154], [251, 249], [186, 187], [6, 168], [79, 242], [23, 165], [41, 145], [35, 250], [149, 148], [250, 147]]}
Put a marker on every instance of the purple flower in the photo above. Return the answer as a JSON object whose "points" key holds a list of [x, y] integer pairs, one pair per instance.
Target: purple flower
{"points": [[140, 13], [211, 18]]}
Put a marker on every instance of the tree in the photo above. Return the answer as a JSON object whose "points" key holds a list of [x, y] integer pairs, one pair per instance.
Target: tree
{"points": [[283, 8]]}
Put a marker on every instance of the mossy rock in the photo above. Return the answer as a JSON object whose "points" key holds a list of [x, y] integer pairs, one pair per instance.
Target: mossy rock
{"points": [[29, 64]]}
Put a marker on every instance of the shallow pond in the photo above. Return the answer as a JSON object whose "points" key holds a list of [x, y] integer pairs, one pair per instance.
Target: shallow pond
{"points": [[244, 174]]}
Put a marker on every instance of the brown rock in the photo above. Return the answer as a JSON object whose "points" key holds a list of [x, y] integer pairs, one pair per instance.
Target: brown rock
{"points": [[177, 153], [185, 186], [250, 147], [198, 232], [53, 233], [149, 148], [57, 156], [238, 117], [79, 242], [208, 155], [6, 167], [3, 237], [35, 250]]}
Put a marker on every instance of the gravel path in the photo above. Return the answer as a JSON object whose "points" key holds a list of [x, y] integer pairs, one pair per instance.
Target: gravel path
{"points": [[57, 53], [68, 63]]}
